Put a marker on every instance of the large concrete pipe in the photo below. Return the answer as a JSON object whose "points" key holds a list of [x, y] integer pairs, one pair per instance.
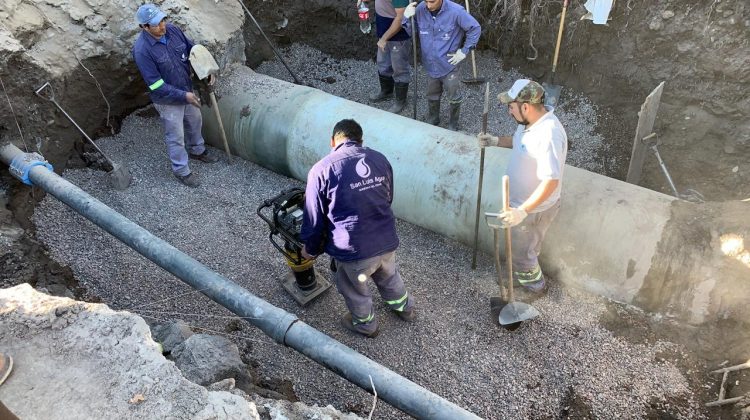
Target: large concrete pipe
{"points": [[606, 239], [285, 328]]}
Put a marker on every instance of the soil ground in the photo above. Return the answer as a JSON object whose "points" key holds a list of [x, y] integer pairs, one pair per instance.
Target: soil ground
{"points": [[562, 364], [701, 49]]}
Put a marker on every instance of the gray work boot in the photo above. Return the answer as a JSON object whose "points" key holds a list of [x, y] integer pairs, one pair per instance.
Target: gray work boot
{"points": [[408, 316], [204, 157], [191, 180], [455, 111], [433, 112], [400, 94], [346, 322], [386, 89]]}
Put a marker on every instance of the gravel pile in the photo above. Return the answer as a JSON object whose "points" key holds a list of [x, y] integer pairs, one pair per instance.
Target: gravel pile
{"points": [[356, 80], [562, 364]]}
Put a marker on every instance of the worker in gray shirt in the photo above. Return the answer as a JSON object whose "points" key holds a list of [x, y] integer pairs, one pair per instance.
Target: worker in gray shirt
{"points": [[394, 52], [443, 25]]}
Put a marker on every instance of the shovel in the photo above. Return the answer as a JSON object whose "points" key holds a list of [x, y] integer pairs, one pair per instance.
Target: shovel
{"points": [[497, 303], [474, 80], [552, 91], [204, 65], [485, 116], [416, 70], [119, 176], [514, 313], [297, 81]]}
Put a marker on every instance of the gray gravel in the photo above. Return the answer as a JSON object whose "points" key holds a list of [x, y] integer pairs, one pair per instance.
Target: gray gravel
{"points": [[356, 80], [562, 363]]}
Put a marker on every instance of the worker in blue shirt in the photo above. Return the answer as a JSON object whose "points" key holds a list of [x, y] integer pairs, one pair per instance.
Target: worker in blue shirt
{"points": [[161, 53], [442, 26], [348, 215]]}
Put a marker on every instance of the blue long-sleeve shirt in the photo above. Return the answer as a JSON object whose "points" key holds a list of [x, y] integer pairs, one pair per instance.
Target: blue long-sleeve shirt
{"points": [[348, 205], [442, 34], [164, 65]]}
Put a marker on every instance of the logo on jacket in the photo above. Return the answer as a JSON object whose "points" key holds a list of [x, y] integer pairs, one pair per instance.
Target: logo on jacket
{"points": [[363, 170]]}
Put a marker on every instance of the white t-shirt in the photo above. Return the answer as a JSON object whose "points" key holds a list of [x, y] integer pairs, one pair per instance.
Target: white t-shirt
{"points": [[538, 154]]}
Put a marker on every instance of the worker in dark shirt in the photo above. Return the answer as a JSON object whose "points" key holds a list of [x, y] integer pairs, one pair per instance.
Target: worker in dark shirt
{"points": [[348, 216], [161, 53]]}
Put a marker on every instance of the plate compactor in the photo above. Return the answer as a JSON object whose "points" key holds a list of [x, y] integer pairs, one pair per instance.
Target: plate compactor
{"points": [[283, 214]]}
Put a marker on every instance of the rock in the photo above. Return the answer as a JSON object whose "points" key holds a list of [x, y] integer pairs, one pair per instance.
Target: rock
{"points": [[223, 385], [171, 334], [60, 290], [120, 374], [279, 409], [667, 14], [58, 30], [655, 25], [205, 359]]}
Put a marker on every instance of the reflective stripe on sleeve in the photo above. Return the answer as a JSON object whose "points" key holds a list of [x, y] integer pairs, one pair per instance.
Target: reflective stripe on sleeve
{"points": [[156, 84]]}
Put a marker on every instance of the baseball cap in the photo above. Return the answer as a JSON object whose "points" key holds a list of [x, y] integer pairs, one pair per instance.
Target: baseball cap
{"points": [[149, 14], [523, 90]]}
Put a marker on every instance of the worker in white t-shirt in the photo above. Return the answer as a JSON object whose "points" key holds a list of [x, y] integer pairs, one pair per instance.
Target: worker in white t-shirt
{"points": [[536, 166]]}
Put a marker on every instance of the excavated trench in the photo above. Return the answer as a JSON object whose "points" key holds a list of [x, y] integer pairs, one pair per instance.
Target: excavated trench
{"points": [[700, 50]]}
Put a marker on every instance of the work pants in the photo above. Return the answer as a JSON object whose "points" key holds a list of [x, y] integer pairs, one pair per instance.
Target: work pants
{"points": [[351, 281], [394, 61], [527, 240], [182, 128], [450, 83]]}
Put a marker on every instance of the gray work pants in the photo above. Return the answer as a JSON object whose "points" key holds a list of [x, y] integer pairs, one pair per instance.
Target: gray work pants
{"points": [[394, 61], [527, 239], [450, 83], [351, 281], [182, 127]]}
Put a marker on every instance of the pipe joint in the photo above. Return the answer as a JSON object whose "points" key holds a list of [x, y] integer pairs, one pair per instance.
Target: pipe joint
{"points": [[21, 165]]}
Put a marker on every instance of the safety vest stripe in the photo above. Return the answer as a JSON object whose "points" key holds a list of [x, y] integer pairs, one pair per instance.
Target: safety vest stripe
{"points": [[157, 84]]}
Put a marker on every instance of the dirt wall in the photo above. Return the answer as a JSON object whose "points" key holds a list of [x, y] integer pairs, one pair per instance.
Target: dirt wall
{"points": [[700, 49]]}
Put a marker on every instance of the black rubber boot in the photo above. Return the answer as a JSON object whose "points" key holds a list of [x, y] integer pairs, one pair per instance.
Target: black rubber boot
{"points": [[433, 112], [401, 89], [386, 89], [455, 111]]}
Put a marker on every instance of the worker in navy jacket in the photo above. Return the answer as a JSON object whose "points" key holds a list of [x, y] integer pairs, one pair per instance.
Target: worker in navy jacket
{"points": [[447, 34], [161, 53], [348, 215]]}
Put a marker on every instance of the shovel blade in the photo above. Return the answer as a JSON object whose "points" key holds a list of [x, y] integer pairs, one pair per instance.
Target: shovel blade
{"points": [[119, 177], [202, 61], [551, 94], [516, 312]]}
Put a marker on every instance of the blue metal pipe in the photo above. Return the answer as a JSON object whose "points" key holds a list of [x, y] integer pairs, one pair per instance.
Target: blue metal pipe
{"points": [[283, 327]]}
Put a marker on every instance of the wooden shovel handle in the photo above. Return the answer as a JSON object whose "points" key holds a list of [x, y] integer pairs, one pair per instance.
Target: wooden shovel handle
{"points": [[508, 249], [559, 39]]}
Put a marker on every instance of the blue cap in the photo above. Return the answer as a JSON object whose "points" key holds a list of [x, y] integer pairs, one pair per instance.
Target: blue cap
{"points": [[149, 14]]}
